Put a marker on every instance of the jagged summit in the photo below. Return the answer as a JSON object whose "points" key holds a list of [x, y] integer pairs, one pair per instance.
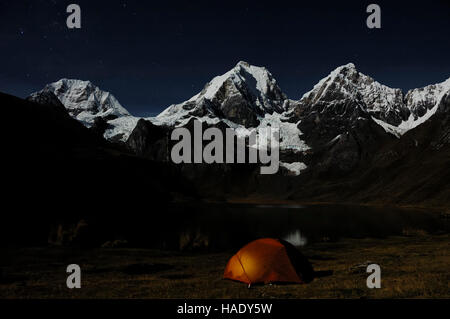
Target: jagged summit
{"points": [[346, 89], [346, 84], [85, 101], [243, 63], [246, 95], [422, 104], [241, 95], [422, 99]]}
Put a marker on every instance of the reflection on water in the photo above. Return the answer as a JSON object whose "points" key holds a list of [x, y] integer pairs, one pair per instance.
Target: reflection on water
{"points": [[293, 206], [226, 226], [296, 238]]}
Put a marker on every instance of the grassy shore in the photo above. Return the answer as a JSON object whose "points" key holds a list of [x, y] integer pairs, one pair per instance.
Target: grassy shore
{"points": [[415, 266]]}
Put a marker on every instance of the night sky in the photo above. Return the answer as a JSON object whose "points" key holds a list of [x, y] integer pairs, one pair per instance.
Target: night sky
{"points": [[150, 55]]}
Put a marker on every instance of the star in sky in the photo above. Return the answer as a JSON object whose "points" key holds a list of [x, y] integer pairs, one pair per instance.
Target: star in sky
{"points": [[195, 43]]}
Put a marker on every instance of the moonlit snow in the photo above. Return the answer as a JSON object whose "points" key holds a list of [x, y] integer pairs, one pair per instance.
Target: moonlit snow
{"points": [[84, 101]]}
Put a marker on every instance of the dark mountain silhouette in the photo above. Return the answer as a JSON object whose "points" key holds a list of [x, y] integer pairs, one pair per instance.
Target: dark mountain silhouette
{"points": [[58, 172]]}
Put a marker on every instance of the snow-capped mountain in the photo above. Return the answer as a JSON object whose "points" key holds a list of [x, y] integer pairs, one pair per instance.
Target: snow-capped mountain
{"points": [[241, 95], [85, 101], [243, 98], [345, 89], [346, 85], [248, 96], [422, 104], [349, 139]]}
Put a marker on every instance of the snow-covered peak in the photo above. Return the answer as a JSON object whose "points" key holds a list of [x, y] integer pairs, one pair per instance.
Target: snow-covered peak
{"points": [[265, 83], [422, 103], [247, 95], [348, 65], [346, 84], [241, 95], [326, 81], [395, 112], [257, 80], [421, 99], [85, 101]]}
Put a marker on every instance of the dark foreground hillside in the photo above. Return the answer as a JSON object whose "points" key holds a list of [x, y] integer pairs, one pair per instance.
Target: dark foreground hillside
{"points": [[57, 171]]}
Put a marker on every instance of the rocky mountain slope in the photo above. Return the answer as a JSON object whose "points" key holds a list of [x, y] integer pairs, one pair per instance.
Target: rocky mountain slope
{"points": [[412, 170], [241, 95], [422, 104], [346, 87]]}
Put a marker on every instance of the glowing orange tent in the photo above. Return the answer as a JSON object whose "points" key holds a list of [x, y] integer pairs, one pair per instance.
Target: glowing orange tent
{"points": [[268, 261]]}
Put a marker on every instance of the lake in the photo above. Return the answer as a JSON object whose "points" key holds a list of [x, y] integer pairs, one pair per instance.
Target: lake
{"points": [[226, 226]]}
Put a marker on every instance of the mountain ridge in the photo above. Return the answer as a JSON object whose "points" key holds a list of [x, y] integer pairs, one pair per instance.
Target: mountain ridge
{"points": [[246, 94], [340, 153]]}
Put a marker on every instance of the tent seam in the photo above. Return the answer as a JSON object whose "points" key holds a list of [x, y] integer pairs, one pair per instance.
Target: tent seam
{"points": [[243, 269]]}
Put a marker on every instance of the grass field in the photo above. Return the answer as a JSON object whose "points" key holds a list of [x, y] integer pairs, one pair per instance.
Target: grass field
{"points": [[413, 266]]}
